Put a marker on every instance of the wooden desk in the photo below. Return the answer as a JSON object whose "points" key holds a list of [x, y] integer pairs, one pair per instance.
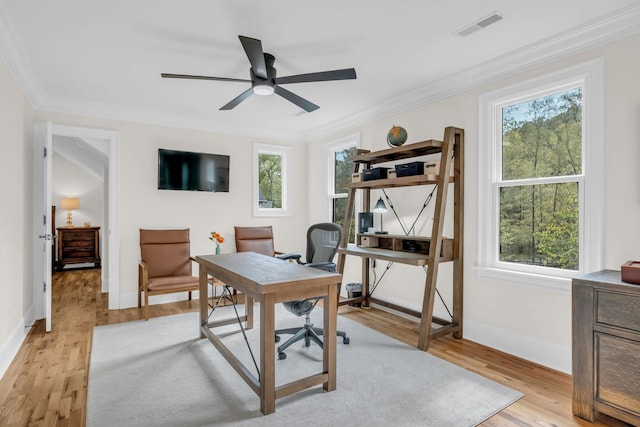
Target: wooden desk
{"points": [[268, 281]]}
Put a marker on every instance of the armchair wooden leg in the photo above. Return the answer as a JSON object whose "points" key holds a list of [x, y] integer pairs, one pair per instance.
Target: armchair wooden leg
{"points": [[146, 305]]}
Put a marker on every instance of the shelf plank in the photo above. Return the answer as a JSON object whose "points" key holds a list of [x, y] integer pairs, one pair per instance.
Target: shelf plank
{"points": [[408, 151], [403, 181], [386, 254]]}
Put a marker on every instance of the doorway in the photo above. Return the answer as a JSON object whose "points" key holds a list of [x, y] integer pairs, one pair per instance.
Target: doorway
{"points": [[98, 142]]}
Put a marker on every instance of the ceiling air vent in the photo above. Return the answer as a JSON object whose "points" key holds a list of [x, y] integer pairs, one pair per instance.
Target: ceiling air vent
{"points": [[480, 24]]}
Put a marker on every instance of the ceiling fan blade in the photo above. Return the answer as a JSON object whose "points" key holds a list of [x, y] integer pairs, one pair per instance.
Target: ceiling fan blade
{"points": [[253, 49], [299, 101], [322, 76], [237, 100], [187, 76]]}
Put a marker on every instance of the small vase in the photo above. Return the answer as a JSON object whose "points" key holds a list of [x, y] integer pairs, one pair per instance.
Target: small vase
{"points": [[218, 249]]}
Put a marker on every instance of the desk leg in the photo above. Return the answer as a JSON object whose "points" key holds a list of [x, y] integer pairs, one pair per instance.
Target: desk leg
{"points": [[248, 310], [330, 313], [203, 295], [267, 355]]}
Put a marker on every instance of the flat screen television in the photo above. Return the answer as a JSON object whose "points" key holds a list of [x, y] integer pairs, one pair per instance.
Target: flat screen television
{"points": [[187, 171]]}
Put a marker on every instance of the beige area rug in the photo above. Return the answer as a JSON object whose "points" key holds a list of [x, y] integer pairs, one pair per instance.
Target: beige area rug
{"points": [[158, 373]]}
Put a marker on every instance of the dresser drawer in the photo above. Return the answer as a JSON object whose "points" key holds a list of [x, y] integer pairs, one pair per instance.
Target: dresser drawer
{"points": [[79, 244], [617, 378], [618, 309], [68, 254], [78, 235]]}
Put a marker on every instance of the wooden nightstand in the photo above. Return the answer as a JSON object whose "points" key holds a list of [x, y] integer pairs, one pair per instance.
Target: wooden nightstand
{"points": [[78, 245]]}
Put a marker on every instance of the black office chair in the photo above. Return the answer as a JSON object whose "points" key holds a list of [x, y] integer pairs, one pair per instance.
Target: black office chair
{"points": [[322, 245]]}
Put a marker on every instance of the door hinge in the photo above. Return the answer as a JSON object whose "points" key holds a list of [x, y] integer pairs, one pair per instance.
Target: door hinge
{"points": [[44, 287], [44, 219], [45, 151]]}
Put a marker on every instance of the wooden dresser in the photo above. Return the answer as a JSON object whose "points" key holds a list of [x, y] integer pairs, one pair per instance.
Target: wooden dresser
{"points": [[78, 245], [606, 347]]}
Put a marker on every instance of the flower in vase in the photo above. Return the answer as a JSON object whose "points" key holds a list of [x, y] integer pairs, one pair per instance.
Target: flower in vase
{"points": [[217, 238]]}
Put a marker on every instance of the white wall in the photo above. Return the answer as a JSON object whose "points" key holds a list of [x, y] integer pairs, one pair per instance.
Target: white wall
{"points": [[531, 322], [142, 205], [16, 289], [69, 180]]}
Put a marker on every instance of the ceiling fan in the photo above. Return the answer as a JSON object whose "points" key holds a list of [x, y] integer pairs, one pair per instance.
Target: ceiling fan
{"points": [[263, 77]]}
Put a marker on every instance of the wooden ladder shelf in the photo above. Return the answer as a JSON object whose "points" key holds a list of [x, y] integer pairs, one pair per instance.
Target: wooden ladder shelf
{"points": [[427, 251]]}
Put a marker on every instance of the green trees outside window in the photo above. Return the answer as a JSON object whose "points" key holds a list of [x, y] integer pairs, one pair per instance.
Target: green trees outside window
{"points": [[342, 169], [270, 180], [541, 162]]}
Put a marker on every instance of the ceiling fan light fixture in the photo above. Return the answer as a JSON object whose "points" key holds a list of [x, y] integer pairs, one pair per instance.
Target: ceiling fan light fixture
{"points": [[263, 89]]}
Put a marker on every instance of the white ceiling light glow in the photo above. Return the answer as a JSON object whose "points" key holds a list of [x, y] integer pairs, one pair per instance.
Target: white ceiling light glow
{"points": [[263, 89]]}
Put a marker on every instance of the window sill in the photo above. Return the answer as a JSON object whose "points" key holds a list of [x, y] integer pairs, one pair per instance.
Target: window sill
{"points": [[271, 213], [526, 279]]}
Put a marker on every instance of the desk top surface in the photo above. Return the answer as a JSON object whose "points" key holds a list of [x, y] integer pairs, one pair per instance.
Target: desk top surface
{"points": [[263, 273]]}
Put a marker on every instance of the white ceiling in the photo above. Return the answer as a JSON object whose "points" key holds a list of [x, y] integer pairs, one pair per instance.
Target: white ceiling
{"points": [[104, 58]]}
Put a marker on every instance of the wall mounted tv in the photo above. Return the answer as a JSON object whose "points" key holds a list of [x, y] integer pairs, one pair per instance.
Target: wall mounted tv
{"points": [[184, 170]]}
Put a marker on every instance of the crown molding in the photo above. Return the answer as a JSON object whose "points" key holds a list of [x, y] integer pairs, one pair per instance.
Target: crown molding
{"points": [[133, 115], [615, 26], [16, 63]]}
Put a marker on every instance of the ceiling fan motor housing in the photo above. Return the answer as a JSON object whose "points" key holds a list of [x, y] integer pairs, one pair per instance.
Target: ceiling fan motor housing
{"points": [[266, 86]]}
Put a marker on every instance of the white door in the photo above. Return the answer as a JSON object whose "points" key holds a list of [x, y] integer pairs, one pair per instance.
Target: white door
{"points": [[43, 138]]}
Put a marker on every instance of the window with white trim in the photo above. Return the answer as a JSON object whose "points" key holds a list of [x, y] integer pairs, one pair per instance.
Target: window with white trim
{"points": [[271, 180], [540, 177], [339, 174]]}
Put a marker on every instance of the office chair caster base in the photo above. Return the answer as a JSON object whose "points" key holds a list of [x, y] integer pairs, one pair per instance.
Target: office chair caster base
{"points": [[277, 338], [346, 340], [282, 356]]}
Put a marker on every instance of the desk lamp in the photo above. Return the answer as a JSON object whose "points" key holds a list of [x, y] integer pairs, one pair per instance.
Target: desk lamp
{"points": [[69, 203], [380, 208]]}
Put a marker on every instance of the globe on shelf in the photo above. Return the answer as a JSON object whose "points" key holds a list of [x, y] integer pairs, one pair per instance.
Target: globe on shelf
{"points": [[397, 136]]}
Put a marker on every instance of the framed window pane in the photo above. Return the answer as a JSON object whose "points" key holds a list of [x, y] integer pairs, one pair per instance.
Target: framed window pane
{"points": [[337, 216], [270, 181], [539, 225], [342, 169], [542, 137]]}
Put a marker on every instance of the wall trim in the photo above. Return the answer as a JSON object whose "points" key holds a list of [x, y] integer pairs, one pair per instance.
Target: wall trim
{"points": [[10, 347]]}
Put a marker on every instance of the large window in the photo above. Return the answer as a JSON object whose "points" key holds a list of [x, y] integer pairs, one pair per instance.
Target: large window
{"points": [[271, 180], [340, 169], [540, 198]]}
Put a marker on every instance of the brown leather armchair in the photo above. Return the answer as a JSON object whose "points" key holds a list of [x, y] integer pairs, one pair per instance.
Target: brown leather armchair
{"points": [[165, 265], [255, 239]]}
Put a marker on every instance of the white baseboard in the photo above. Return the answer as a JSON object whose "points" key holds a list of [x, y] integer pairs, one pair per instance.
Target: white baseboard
{"points": [[544, 354], [532, 350], [11, 345]]}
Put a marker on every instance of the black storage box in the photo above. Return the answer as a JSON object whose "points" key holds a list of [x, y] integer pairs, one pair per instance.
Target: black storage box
{"points": [[374, 173], [410, 169]]}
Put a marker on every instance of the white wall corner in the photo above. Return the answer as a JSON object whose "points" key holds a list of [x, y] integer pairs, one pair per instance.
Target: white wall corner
{"points": [[544, 354]]}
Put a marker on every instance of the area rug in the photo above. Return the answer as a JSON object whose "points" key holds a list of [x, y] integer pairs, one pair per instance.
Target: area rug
{"points": [[158, 373]]}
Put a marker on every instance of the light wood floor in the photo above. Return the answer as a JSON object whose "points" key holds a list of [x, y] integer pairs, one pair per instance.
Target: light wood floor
{"points": [[46, 384]]}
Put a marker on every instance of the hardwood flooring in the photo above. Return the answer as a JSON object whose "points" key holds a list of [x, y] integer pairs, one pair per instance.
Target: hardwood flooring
{"points": [[46, 385]]}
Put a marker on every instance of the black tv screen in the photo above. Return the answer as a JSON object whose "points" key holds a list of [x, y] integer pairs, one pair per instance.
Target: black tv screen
{"points": [[184, 170]]}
